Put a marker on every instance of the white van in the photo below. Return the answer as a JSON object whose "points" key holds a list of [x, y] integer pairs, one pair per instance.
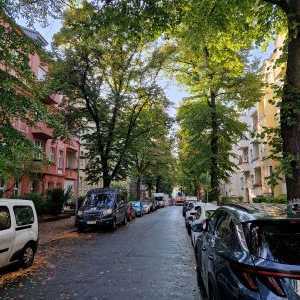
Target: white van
{"points": [[18, 232]]}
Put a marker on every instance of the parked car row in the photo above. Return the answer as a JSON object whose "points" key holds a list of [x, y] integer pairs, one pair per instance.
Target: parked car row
{"points": [[248, 251], [109, 207]]}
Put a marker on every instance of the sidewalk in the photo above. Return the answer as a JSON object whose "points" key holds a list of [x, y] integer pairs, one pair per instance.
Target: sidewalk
{"points": [[51, 231]]}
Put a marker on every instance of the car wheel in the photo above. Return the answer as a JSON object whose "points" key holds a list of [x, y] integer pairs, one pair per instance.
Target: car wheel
{"points": [[113, 225], [27, 256]]}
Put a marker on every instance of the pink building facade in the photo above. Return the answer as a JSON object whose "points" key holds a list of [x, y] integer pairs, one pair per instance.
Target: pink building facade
{"points": [[61, 156]]}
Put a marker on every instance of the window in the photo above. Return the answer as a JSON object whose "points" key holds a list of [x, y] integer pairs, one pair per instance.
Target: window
{"points": [[24, 215], [257, 176], [255, 121], [242, 183], [2, 187], [5, 222], [61, 159], [245, 154], [52, 156], [40, 146], [71, 160], [255, 151]]}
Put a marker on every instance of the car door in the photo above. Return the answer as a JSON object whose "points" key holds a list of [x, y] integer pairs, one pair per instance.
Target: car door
{"points": [[25, 230], [206, 249], [226, 245], [7, 235]]}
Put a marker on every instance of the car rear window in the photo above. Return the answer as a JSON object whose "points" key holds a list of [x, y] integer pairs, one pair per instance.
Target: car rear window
{"points": [[275, 240], [24, 215]]}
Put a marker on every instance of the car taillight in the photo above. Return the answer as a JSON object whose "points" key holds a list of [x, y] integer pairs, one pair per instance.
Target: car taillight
{"points": [[271, 279]]}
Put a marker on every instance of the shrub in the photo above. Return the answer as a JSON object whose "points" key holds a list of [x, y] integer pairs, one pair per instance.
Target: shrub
{"points": [[39, 202], [269, 199], [56, 198], [228, 200]]}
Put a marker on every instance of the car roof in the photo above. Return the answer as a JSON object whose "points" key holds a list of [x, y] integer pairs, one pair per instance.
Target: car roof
{"points": [[6, 201], [246, 212], [103, 190]]}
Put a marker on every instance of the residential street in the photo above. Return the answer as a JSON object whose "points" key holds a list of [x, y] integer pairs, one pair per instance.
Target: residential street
{"points": [[152, 258]]}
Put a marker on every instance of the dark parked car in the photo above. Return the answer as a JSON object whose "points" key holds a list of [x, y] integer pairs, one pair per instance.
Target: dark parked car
{"points": [[249, 252], [130, 212], [138, 208], [102, 207]]}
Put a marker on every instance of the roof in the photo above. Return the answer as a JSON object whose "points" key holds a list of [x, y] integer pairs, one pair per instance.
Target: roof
{"points": [[257, 211], [35, 36]]}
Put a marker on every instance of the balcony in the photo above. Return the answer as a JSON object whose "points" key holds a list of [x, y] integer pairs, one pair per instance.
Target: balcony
{"points": [[42, 131]]}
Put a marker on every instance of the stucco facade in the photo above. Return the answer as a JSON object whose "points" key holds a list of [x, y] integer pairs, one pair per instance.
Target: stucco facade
{"points": [[254, 167], [61, 171]]}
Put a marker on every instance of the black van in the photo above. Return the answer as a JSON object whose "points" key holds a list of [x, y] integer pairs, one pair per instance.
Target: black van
{"points": [[102, 206]]}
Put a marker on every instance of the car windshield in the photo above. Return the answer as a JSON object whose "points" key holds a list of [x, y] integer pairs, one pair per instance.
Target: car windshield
{"points": [[159, 198], [99, 200], [136, 204], [271, 239]]}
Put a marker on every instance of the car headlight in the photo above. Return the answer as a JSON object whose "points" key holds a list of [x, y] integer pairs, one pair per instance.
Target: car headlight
{"points": [[107, 212]]}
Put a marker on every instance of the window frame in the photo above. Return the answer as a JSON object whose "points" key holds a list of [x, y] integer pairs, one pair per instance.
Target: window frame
{"points": [[23, 206]]}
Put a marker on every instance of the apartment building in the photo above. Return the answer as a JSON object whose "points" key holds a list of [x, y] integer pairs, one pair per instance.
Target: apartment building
{"points": [[62, 154], [254, 167]]}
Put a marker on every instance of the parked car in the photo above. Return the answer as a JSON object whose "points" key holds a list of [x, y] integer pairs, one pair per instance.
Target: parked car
{"points": [[249, 252], [188, 205], [193, 213], [204, 212], [18, 232], [130, 212], [138, 208], [146, 208], [160, 199], [105, 206]]}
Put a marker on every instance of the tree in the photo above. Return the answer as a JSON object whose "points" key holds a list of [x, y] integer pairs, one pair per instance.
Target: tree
{"points": [[109, 74], [258, 22], [195, 151], [215, 69], [151, 147]]}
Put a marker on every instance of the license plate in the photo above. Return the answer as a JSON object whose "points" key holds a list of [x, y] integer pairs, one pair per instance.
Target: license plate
{"points": [[91, 222]]}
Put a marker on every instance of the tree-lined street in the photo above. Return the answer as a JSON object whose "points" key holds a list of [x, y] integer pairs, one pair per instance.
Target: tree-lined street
{"points": [[151, 258]]}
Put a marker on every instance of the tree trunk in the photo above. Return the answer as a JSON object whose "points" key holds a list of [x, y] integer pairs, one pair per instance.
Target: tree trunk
{"points": [[157, 187], [106, 179], [290, 112], [138, 188], [150, 190], [214, 174]]}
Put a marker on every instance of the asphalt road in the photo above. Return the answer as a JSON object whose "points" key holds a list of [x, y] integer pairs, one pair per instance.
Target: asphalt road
{"points": [[151, 258]]}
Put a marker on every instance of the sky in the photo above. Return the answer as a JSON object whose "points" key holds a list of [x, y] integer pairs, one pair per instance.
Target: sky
{"points": [[173, 90]]}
